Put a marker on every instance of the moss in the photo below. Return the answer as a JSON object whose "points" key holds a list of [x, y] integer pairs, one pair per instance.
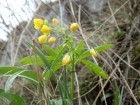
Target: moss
{"points": [[137, 94], [117, 34], [137, 49]]}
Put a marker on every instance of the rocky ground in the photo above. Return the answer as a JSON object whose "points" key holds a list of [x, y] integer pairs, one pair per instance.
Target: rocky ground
{"points": [[116, 22]]}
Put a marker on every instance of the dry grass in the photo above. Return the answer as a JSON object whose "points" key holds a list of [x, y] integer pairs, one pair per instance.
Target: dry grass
{"points": [[119, 24]]}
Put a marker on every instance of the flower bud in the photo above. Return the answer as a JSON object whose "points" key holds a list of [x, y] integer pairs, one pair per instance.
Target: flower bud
{"points": [[42, 39], [66, 59], [74, 26], [45, 29], [55, 22], [93, 52], [46, 22], [51, 40], [38, 23]]}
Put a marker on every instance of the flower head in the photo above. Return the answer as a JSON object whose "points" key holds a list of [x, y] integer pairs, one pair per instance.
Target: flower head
{"points": [[45, 29], [93, 52], [42, 39], [74, 26], [38, 23], [66, 59], [51, 40], [55, 22]]}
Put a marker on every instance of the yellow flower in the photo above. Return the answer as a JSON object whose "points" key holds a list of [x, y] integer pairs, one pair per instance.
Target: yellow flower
{"points": [[55, 22], [93, 52], [42, 39], [74, 26], [51, 40], [38, 23], [66, 59], [45, 29]]}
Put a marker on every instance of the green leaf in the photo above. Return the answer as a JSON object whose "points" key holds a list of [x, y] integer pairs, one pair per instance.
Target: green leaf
{"points": [[31, 60], [103, 47], [47, 73], [13, 98], [55, 61], [41, 55], [106, 95], [57, 102], [85, 55], [59, 29], [95, 68], [98, 49], [1, 90], [116, 93], [49, 50], [29, 74], [80, 47], [11, 79]]}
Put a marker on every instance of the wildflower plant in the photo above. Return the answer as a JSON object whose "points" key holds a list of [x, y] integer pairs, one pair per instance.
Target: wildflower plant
{"points": [[63, 57]]}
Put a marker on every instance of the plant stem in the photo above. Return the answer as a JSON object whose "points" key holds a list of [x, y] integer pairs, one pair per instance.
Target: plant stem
{"points": [[65, 82], [72, 79]]}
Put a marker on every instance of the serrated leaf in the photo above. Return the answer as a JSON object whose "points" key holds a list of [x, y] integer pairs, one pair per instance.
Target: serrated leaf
{"points": [[103, 47], [95, 68]]}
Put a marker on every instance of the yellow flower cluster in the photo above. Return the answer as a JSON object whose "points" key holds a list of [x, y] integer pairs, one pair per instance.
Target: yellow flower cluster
{"points": [[44, 29]]}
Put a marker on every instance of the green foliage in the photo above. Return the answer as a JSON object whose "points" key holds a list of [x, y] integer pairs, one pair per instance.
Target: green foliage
{"points": [[99, 49], [95, 68], [103, 47], [11, 79], [57, 102], [31, 60], [107, 95], [47, 73], [79, 48], [40, 54], [13, 98], [49, 50], [116, 94], [118, 34], [28, 74], [50, 60]]}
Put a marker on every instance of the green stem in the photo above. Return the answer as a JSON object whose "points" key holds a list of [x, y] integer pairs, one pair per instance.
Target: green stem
{"points": [[72, 79], [65, 81]]}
